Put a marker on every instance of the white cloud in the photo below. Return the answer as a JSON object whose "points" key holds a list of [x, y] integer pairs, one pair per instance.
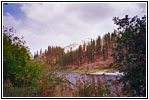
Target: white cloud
{"points": [[64, 23], [10, 21], [130, 9]]}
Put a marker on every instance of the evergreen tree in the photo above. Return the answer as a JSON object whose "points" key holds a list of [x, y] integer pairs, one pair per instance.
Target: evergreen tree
{"points": [[88, 52], [80, 54], [105, 47], [98, 45], [108, 40], [113, 39], [84, 47]]}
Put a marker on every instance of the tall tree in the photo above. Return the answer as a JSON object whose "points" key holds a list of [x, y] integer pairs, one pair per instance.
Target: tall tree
{"points": [[113, 39], [80, 54], [98, 45], [105, 47], [130, 54]]}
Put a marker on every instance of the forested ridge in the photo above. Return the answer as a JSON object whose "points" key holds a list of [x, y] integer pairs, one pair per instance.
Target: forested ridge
{"points": [[85, 53]]}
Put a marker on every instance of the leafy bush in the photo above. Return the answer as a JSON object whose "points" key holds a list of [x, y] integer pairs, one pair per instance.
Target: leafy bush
{"points": [[32, 72]]}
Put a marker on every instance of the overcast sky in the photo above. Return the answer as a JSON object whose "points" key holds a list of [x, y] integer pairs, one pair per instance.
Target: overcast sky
{"points": [[60, 24]]}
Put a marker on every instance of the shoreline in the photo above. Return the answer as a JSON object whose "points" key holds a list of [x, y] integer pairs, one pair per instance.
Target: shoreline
{"points": [[99, 73]]}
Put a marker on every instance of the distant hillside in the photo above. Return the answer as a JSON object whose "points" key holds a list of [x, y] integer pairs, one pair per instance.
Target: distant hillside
{"points": [[88, 53]]}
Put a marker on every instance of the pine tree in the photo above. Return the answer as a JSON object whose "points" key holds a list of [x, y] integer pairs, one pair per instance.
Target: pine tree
{"points": [[98, 45], [105, 46], [84, 47], [113, 39], [108, 40], [40, 51], [88, 52], [80, 54]]}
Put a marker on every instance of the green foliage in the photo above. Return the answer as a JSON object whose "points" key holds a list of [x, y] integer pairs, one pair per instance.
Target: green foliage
{"points": [[15, 55], [130, 54], [17, 65], [32, 72]]}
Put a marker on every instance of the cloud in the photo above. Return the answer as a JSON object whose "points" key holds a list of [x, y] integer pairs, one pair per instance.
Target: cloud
{"points": [[60, 24], [10, 21], [130, 9], [92, 12]]}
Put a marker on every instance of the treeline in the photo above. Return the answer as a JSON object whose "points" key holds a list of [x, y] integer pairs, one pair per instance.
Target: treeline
{"points": [[50, 55], [85, 53]]}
